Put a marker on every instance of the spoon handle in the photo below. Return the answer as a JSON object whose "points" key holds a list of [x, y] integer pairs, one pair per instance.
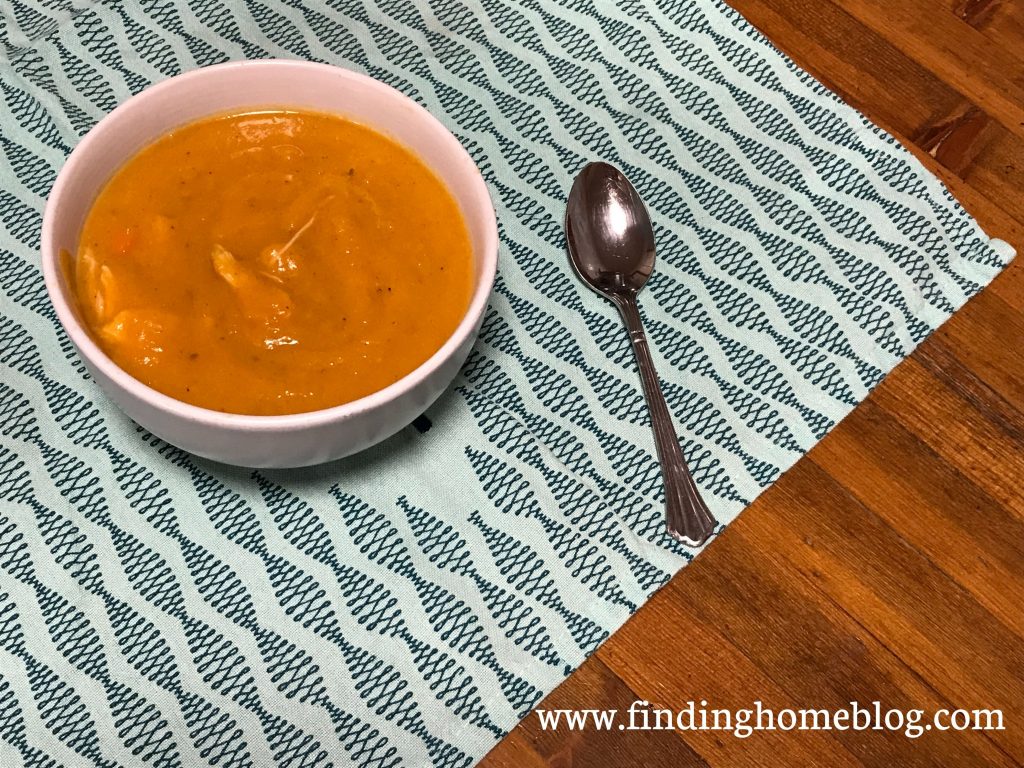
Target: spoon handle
{"points": [[686, 515]]}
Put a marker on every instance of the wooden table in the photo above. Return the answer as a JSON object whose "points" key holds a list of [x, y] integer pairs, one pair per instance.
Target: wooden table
{"points": [[888, 564]]}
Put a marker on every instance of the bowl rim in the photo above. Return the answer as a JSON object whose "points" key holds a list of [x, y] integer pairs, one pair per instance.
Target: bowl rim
{"points": [[95, 355]]}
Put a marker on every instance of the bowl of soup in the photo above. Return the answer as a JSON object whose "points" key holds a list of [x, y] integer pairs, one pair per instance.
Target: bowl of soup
{"points": [[270, 263]]}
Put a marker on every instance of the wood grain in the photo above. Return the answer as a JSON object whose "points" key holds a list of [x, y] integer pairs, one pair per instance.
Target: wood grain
{"points": [[888, 564]]}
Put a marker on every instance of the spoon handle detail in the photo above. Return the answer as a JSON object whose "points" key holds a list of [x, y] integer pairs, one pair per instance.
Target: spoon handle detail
{"points": [[686, 515]]}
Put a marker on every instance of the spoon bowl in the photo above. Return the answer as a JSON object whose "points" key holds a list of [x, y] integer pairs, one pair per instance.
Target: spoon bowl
{"points": [[610, 236], [611, 247]]}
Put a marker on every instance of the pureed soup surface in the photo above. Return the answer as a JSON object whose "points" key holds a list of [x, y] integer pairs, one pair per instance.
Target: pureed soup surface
{"points": [[273, 262]]}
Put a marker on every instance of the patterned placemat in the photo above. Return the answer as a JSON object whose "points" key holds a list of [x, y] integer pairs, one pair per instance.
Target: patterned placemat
{"points": [[408, 605]]}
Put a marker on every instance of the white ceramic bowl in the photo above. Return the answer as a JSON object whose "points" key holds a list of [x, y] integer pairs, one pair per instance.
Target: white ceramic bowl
{"points": [[268, 441]]}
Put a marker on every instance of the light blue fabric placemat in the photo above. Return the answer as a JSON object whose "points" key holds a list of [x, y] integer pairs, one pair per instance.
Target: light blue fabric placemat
{"points": [[407, 606]]}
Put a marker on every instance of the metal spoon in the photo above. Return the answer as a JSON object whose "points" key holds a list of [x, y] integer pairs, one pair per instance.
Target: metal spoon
{"points": [[611, 247]]}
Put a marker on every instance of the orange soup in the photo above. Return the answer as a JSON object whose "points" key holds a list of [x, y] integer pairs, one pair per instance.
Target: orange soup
{"points": [[273, 262]]}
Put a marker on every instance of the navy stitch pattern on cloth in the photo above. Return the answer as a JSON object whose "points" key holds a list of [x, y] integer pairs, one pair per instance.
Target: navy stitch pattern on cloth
{"points": [[408, 605]]}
